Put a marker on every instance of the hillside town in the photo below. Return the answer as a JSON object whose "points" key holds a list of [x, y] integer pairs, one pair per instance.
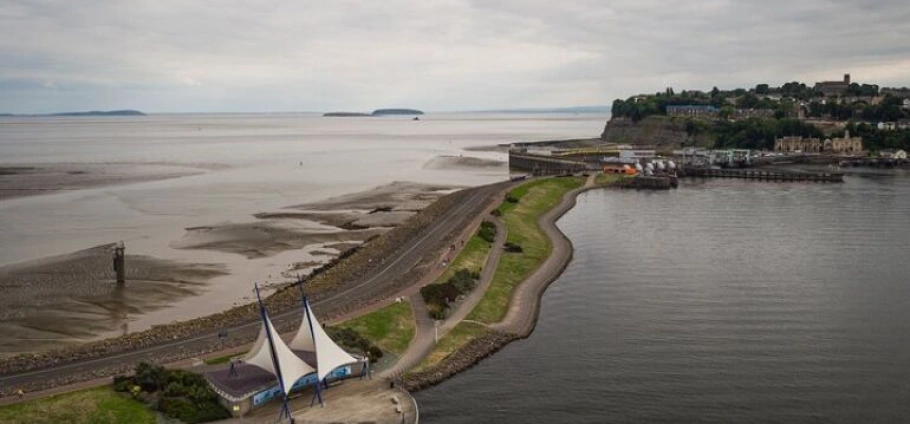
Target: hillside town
{"points": [[839, 117]]}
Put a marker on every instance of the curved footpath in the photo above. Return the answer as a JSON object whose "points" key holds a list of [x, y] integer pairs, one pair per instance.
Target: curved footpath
{"points": [[426, 333], [524, 306]]}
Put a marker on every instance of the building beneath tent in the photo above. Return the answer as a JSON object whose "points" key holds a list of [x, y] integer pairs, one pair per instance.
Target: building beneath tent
{"points": [[274, 369]]}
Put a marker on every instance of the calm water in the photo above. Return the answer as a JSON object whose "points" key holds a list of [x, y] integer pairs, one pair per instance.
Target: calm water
{"points": [[723, 301]]}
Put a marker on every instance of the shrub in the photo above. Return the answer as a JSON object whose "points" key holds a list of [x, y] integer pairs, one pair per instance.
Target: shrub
{"points": [[511, 199], [487, 231], [351, 339], [496, 212], [512, 247], [438, 296], [181, 394]]}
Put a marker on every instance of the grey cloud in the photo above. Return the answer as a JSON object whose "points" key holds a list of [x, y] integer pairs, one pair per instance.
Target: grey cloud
{"points": [[438, 55]]}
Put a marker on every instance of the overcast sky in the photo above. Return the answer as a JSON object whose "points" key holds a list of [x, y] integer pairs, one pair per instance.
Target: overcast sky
{"points": [[299, 55]]}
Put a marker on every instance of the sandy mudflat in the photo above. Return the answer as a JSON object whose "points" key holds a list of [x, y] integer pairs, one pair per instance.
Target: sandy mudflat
{"points": [[68, 298], [264, 238], [30, 180], [344, 220], [463, 162], [399, 195]]}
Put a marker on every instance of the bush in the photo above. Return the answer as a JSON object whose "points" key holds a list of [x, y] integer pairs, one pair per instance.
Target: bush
{"points": [[487, 231], [496, 212], [511, 199], [351, 339], [438, 296], [512, 247], [181, 394]]}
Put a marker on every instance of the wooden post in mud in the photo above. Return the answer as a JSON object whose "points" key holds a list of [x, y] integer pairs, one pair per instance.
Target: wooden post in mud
{"points": [[119, 262]]}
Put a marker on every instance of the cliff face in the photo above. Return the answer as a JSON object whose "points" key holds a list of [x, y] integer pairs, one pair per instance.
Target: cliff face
{"points": [[660, 131]]}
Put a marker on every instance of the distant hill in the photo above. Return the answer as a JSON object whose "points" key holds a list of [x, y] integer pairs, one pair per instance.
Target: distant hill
{"points": [[125, 112], [382, 112]]}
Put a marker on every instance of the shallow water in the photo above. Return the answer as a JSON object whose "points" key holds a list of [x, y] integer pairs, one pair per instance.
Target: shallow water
{"points": [[250, 163], [722, 301]]}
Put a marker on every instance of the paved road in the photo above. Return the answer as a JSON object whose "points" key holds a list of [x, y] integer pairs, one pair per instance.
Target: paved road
{"points": [[378, 286]]}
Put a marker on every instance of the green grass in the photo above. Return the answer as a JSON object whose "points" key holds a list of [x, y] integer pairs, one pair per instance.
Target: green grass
{"points": [[219, 360], [92, 406], [472, 257], [391, 328], [535, 198], [463, 333]]}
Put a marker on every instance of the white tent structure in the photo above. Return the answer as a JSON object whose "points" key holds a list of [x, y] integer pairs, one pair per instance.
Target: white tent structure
{"points": [[311, 337], [271, 354], [276, 357]]}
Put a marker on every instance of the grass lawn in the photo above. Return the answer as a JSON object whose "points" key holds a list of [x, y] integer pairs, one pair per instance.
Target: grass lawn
{"points": [[535, 198], [92, 406], [391, 328], [472, 257], [220, 359], [463, 333]]}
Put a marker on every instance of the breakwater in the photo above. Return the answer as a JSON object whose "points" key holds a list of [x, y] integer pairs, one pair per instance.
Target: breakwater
{"points": [[524, 307], [763, 174]]}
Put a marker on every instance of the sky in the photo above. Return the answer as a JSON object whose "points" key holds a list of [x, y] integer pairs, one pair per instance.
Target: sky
{"points": [[446, 55]]}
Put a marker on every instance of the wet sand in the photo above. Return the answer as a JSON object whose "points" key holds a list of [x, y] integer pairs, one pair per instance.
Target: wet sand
{"points": [[68, 298], [22, 180], [464, 162], [72, 298], [348, 220]]}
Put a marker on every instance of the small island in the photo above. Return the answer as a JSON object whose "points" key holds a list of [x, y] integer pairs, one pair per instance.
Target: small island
{"points": [[383, 112], [377, 112]]}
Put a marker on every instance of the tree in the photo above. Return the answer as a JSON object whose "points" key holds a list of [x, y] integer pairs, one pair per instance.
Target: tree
{"points": [[762, 89]]}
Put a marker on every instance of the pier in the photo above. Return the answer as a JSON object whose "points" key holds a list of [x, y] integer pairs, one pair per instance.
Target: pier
{"points": [[763, 174]]}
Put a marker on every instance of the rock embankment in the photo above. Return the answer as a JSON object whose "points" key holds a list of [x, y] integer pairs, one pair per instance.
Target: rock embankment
{"points": [[462, 359], [332, 278]]}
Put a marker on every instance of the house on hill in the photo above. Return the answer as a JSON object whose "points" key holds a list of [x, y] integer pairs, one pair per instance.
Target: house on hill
{"points": [[833, 88]]}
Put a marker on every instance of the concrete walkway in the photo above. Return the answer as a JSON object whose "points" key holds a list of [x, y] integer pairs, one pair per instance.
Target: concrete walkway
{"points": [[426, 335]]}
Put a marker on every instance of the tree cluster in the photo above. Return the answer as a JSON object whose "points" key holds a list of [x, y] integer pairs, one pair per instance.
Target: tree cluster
{"points": [[177, 394], [889, 110], [759, 134], [875, 139], [438, 296]]}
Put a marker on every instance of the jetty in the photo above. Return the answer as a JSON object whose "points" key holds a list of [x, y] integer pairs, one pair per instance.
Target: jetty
{"points": [[763, 174]]}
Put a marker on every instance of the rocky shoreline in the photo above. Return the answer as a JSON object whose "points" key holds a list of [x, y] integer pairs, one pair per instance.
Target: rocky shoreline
{"points": [[520, 322]]}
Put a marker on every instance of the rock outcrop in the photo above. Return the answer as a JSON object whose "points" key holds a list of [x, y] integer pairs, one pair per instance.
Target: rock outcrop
{"points": [[658, 131]]}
